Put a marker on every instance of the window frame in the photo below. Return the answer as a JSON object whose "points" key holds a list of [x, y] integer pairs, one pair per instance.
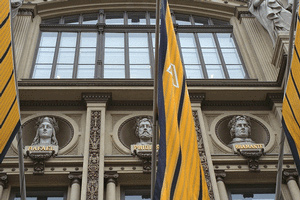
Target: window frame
{"points": [[41, 192]]}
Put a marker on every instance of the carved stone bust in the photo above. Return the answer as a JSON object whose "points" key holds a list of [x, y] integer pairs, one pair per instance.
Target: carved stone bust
{"points": [[240, 130], [144, 131], [46, 132]]}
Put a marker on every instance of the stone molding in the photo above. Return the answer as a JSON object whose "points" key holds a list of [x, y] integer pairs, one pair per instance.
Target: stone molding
{"points": [[96, 97]]}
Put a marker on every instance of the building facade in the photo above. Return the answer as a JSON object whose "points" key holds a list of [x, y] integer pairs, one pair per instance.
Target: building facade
{"points": [[85, 68]]}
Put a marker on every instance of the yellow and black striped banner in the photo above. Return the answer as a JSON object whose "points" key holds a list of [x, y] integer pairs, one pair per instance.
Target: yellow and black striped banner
{"points": [[9, 109], [179, 172]]}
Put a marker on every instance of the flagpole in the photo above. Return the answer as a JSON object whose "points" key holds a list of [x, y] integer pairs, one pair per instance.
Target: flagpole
{"points": [[19, 134], [287, 71], [155, 96]]}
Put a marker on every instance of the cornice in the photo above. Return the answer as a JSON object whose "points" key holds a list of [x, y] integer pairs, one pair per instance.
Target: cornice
{"points": [[147, 82], [51, 103], [96, 97]]}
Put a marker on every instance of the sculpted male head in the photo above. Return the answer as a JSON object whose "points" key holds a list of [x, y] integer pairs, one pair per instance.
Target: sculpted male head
{"points": [[144, 129], [46, 132], [240, 127]]}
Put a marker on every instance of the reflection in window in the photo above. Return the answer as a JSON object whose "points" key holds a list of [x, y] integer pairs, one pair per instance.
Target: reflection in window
{"points": [[125, 48], [40, 194], [253, 196]]}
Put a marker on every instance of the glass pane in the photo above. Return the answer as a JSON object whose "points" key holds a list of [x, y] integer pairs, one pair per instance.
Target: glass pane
{"points": [[225, 40], [236, 71], [231, 56], [135, 197], [138, 40], [190, 56], [114, 39], [64, 71], [114, 56], [193, 71], [219, 22], [51, 21], [140, 71], [187, 40], [87, 56], [153, 18], [114, 18], [90, 19], [211, 56], [86, 71], [214, 71], [88, 40], [182, 19], [27, 198], [200, 20], [136, 18], [42, 71], [66, 55], [68, 39], [138, 56], [114, 71], [255, 196], [206, 40], [45, 55], [48, 39], [72, 20], [55, 198]]}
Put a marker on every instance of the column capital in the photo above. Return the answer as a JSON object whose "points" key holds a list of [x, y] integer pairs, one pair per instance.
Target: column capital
{"points": [[3, 179], [289, 174], [111, 177], [75, 177], [220, 175]]}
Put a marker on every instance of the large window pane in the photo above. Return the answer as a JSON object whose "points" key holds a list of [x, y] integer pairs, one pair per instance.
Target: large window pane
{"points": [[114, 39], [255, 196], [136, 18], [183, 19], [87, 56], [231, 56], [200, 20], [86, 71], [114, 56], [135, 197], [187, 40], [211, 56], [68, 39], [88, 40], [42, 71], [114, 71], [90, 19], [236, 71], [140, 71], [72, 20], [45, 55], [206, 40], [138, 40], [190, 56], [138, 56], [225, 40], [64, 71], [215, 71], [66, 55], [48, 39], [193, 71]]}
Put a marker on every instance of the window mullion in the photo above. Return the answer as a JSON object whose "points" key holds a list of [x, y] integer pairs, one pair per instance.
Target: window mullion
{"points": [[126, 51], [221, 56], [200, 53], [55, 55], [76, 57], [99, 56]]}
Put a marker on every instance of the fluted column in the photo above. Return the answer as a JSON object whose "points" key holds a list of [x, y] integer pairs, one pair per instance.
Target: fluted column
{"points": [[220, 175], [111, 183], [75, 185], [290, 176]]}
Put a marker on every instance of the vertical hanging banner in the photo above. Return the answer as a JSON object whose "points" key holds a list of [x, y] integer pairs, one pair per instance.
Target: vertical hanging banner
{"points": [[9, 109], [291, 102], [179, 172]]}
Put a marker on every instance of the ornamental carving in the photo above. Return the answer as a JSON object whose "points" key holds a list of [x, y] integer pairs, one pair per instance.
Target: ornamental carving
{"points": [[94, 153], [203, 154]]}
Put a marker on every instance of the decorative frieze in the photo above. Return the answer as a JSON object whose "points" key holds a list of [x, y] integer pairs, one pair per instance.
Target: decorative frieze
{"points": [[93, 158]]}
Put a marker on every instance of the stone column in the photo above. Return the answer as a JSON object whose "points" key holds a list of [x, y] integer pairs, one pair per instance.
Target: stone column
{"points": [[75, 185], [220, 175], [3, 182], [290, 177], [93, 163], [111, 183]]}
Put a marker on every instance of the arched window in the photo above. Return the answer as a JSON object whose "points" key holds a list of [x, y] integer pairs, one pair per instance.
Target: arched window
{"points": [[120, 45]]}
